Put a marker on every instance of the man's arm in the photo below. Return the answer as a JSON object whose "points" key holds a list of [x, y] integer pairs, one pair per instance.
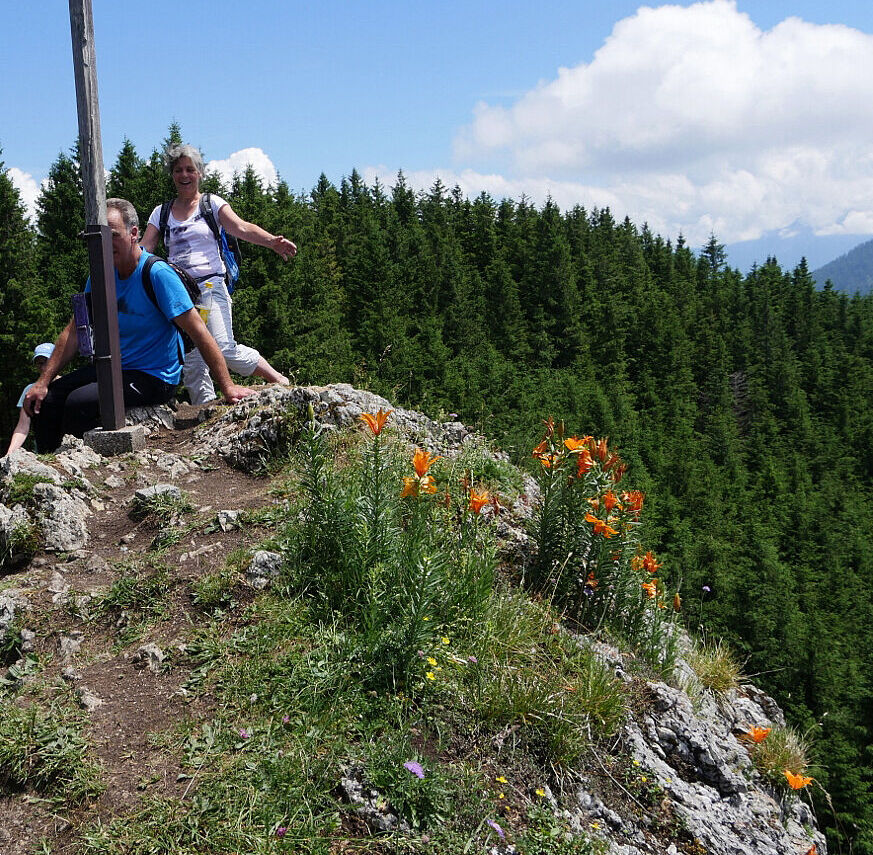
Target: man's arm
{"points": [[192, 323], [65, 349]]}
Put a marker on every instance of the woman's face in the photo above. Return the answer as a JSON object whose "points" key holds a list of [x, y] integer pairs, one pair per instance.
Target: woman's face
{"points": [[185, 175]]}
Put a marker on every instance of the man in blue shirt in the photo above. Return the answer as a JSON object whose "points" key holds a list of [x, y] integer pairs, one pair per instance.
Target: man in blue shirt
{"points": [[150, 344]]}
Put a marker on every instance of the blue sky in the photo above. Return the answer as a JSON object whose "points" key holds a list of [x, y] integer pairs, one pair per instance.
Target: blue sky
{"points": [[748, 119]]}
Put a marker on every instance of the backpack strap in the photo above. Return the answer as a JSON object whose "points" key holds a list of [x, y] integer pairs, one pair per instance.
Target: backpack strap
{"points": [[227, 244], [150, 293], [164, 224], [147, 280], [208, 215]]}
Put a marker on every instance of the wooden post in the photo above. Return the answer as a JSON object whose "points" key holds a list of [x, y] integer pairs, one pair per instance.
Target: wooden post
{"points": [[107, 350]]}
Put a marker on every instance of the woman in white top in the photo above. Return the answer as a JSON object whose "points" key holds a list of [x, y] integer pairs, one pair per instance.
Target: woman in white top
{"points": [[193, 247]]}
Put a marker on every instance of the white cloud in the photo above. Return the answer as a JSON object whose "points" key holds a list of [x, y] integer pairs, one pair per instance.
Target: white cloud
{"points": [[257, 158], [27, 187], [694, 119]]}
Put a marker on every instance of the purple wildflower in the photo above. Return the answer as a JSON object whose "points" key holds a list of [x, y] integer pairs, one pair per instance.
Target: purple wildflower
{"points": [[281, 831], [415, 768], [286, 719], [497, 828], [706, 589], [472, 660], [243, 733]]}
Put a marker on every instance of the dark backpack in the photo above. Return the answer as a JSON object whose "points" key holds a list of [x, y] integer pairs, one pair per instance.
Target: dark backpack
{"points": [[83, 313], [228, 245], [190, 286]]}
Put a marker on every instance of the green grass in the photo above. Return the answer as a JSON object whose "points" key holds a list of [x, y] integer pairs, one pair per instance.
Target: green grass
{"points": [[135, 600], [43, 751], [784, 748], [19, 491], [716, 666]]}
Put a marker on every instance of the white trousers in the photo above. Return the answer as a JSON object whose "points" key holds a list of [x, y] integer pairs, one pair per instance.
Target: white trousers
{"points": [[216, 309]]}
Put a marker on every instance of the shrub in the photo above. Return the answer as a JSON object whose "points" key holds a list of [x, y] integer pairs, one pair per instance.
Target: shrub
{"points": [[589, 558], [395, 559]]}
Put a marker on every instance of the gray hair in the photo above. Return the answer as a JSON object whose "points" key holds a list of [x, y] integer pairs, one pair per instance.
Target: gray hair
{"points": [[176, 151], [127, 212]]}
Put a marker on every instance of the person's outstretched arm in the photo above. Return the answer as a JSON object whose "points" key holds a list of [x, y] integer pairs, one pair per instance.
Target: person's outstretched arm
{"points": [[254, 234]]}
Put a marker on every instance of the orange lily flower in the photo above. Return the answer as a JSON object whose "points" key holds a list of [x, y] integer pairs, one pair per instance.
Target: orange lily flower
{"points": [[573, 443], [610, 501], [613, 459], [592, 581], [584, 462], [478, 500], [600, 527], [651, 588], [812, 850], [540, 449], [677, 602], [422, 461], [602, 449], [755, 734], [377, 422], [649, 564], [633, 501], [797, 782], [415, 486], [618, 473]]}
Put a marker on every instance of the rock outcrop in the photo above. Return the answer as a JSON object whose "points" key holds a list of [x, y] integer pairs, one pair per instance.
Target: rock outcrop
{"points": [[708, 791]]}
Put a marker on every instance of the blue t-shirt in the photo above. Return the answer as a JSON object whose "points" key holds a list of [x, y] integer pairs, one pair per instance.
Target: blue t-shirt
{"points": [[149, 340]]}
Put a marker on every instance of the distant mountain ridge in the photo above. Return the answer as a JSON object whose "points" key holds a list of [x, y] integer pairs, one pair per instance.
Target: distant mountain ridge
{"points": [[852, 272]]}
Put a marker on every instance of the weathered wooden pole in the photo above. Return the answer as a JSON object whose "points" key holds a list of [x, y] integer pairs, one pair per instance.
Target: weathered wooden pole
{"points": [[107, 350]]}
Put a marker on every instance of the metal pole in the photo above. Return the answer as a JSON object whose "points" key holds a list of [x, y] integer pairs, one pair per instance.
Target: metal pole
{"points": [[107, 351]]}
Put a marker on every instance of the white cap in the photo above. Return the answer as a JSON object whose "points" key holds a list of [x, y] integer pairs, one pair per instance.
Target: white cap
{"points": [[45, 349]]}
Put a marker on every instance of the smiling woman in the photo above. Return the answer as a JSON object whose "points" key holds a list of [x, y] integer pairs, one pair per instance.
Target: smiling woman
{"points": [[188, 227]]}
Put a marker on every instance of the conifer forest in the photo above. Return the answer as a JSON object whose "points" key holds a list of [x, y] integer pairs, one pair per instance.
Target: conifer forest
{"points": [[741, 401]]}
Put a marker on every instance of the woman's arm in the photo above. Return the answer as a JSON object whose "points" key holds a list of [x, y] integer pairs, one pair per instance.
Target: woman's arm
{"points": [[254, 234], [19, 435], [150, 238]]}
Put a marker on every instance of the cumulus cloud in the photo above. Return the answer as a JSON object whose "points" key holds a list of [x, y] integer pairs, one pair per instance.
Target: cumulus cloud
{"points": [[257, 158], [694, 120], [27, 186]]}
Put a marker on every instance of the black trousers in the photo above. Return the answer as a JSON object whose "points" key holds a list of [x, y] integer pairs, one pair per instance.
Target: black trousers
{"points": [[71, 405]]}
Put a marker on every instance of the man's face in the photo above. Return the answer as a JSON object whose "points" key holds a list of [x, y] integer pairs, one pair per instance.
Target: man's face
{"points": [[123, 242]]}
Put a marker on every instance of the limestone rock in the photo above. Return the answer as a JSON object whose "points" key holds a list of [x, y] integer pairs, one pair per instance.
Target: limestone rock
{"points": [[70, 643], [88, 700], [61, 518], [264, 567], [10, 606], [26, 463], [146, 494], [149, 656], [75, 457]]}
